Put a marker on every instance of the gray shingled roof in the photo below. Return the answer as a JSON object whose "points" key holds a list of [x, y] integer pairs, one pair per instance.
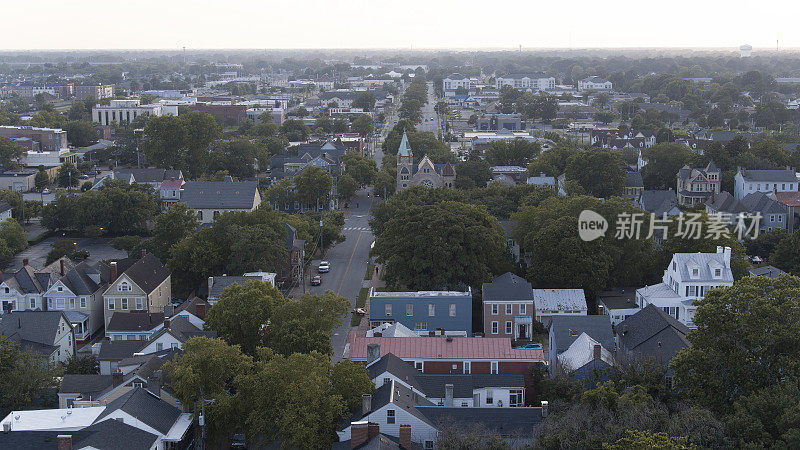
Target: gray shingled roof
{"points": [[220, 283], [118, 350], [786, 176], [761, 202], [38, 327], [219, 194], [507, 287], [148, 272], [505, 421], [87, 385], [145, 407], [725, 202], [634, 179], [106, 435], [565, 329], [134, 321], [653, 333]]}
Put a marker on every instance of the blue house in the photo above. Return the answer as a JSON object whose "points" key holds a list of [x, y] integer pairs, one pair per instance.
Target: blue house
{"points": [[423, 311]]}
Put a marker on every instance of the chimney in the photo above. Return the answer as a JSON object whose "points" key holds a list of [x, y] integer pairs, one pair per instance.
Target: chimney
{"points": [[25, 261], [116, 377], [600, 310], [64, 441], [373, 353], [598, 351], [154, 383], [61, 266], [359, 434], [166, 323], [144, 252], [373, 429], [210, 285], [727, 256], [113, 274], [544, 409], [448, 395], [366, 404], [6, 427], [201, 310], [405, 437]]}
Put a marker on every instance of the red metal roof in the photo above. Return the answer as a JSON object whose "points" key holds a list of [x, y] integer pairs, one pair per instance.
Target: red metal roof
{"points": [[440, 348], [788, 198]]}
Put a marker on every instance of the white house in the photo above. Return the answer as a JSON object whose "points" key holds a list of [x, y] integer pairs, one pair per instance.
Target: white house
{"points": [[123, 111], [687, 278], [455, 81], [559, 302], [48, 333], [750, 181], [594, 84], [526, 82]]}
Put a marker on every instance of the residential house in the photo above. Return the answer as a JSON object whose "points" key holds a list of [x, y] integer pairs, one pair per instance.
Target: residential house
{"points": [[773, 214], [749, 181], [175, 332], [110, 353], [133, 326], [587, 360], [634, 186], [292, 270], [5, 211], [425, 173], [566, 330], [659, 202], [454, 390], [687, 278], [152, 176], [79, 293], [22, 289], [217, 284], [166, 426], [397, 411], [508, 307], [550, 303], [617, 304], [142, 285], [695, 186], [102, 435], [594, 84], [454, 82], [790, 201], [48, 333], [195, 306], [209, 199], [517, 174], [535, 82], [542, 180], [169, 191], [449, 312], [651, 333]]}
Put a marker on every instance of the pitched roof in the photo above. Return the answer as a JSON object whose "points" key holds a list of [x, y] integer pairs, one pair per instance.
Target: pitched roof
{"points": [[507, 287], [106, 435], [652, 332], [117, 350], [404, 149], [4, 207], [444, 348], [565, 330], [766, 271], [581, 352], [220, 283], [704, 261], [634, 179], [148, 273], [763, 203], [151, 175], [725, 202], [559, 299], [89, 386], [79, 279], [220, 194], [618, 298], [134, 321], [36, 327], [146, 408], [505, 421], [788, 198], [787, 176], [182, 329]]}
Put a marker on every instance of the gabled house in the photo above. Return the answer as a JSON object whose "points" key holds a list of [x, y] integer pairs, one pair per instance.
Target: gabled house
{"points": [[22, 290], [209, 199], [750, 181], [175, 332], [79, 292], [634, 186], [110, 353], [566, 330], [133, 326], [773, 214], [48, 333], [617, 304], [651, 333], [790, 201], [142, 285], [659, 202], [687, 278], [218, 284], [508, 307], [102, 435], [292, 270], [695, 186]]}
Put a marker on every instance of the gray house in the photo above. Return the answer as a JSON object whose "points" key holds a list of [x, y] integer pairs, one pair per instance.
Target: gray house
{"points": [[565, 330], [651, 333], [424, 311], [209, 199], [48, 333]]}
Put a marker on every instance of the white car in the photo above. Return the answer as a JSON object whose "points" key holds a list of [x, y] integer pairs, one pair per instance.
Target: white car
{"points": [[324, 266]]}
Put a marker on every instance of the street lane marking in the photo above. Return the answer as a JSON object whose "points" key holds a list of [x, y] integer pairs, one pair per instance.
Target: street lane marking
{"points": [[355, 247]]}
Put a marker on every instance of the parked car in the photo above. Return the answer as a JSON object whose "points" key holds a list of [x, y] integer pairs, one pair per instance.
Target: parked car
{"points": [[359, 311], [324, 266], [532, 345], [238, 441], [756, 260], [84, 177], [46, 191], [316, 281]]}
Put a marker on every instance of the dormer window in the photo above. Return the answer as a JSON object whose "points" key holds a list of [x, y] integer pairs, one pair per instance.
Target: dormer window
{"points": [[124, 286], [717, 272], [695, 272]]}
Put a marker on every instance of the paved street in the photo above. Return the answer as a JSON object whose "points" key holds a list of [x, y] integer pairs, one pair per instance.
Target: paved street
{"points": [[429, 116]]}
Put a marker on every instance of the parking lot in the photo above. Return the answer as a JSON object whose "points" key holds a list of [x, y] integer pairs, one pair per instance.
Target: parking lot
{"points": [[99, 249]]}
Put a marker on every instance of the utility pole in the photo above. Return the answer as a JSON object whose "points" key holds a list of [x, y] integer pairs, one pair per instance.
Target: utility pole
{"points": [[202, 419]]}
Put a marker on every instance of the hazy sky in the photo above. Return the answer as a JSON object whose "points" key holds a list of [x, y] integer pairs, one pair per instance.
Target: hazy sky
{"points": [[165, 24]]}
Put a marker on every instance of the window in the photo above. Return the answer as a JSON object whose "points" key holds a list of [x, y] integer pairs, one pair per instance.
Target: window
{"points": [[494, 368], [515, 397], [494, 310], [452, 309], [386, 380], [130, 337], [72, 303], [60, 303], [124, 304], [117, 337], [49, 303], [695, 272], [60, 289], [124, 287], [388, 308], [494, 327], [389, 416], [409, 309], [428, 445], [139, 304], [83, 302], [489, 396], [508, 327], [523, 308], [159, 346], [717, 272], [174, 345], [421, 326], [137, 384], [111, 303], [199, 215], [509, 308], [467, 367], [33, 303], [431, 310], [418, 366]]}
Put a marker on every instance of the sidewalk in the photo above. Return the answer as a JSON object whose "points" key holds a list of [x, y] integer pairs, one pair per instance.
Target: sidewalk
{"points": [[376, 282]]}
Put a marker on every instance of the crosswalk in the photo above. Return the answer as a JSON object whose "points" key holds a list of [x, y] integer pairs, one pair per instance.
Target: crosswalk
{"points": [[356, 229]]}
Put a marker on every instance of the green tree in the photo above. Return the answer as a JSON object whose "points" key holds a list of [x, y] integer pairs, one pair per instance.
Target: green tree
{"points": [[663, 163], [366, 101], [347, 187], [636, 440], [746, 340], [517, 152], [305, 324], [82, 365], [786, 254], [294, 130], [444, 245], [181, 142], [600, 172], [10, 152], [605, 117], [14, 236], [281, 193], [363, 125], [171, 227], [313, 185], [767, 418], [41, 179], [765, 243], [240, 316], [361, 168], [68, 175], [80, 133], [24, 376], [473, 174]]}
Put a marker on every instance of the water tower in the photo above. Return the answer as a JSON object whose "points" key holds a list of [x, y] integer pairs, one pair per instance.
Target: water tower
{"points": [[746, 50]]}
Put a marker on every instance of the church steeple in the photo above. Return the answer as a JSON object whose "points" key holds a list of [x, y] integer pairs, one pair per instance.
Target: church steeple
{"points": [[404, 150], [405, 163]]}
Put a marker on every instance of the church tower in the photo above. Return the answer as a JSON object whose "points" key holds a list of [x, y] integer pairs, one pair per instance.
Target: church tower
{"points": [[405, 164]]}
